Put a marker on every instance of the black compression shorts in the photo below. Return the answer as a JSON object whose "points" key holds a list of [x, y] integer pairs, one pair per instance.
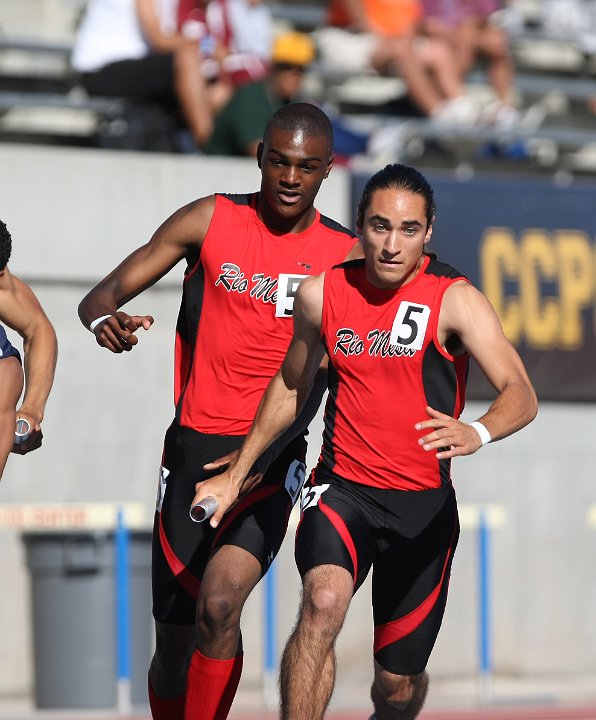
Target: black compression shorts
{"points": [[407, 537], [181, 547]]}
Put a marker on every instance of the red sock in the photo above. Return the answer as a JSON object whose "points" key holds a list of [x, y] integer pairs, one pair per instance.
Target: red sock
{"points": [[166, 708], [211, 687]]}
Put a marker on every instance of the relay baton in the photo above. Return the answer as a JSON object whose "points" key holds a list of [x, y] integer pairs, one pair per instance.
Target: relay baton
{"points": [[204, 509], [22, 430]]}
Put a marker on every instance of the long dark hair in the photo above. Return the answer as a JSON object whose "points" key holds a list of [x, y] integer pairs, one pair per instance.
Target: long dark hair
{"points": [[397, 176]]}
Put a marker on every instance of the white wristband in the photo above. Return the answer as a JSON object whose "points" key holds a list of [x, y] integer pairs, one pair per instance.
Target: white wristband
{"points": [[482, 431], [96, 322]]}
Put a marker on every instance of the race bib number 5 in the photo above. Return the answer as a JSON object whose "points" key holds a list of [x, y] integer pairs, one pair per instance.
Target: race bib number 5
{"points": [[287, 285], [311, 496], [295, 479], [409, 326]]}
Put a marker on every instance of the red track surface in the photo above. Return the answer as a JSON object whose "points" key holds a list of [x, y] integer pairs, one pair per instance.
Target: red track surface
{"points": [[492, 713]]}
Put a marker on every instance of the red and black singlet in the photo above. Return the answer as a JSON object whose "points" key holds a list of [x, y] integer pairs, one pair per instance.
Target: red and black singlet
{"points": [[386, 366], [235, 324]]}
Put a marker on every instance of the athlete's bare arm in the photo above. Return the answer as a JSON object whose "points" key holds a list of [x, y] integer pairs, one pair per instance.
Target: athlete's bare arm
{"points": [[20, 310], [181, 235], [467, 314], [282, 400]]}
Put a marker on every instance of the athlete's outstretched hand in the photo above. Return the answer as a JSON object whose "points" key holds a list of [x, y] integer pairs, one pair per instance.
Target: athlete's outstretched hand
{"points": [[450, 437], [117, 333]]}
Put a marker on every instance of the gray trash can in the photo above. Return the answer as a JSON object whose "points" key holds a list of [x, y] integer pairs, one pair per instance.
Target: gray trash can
{"points": [[73, 599]]}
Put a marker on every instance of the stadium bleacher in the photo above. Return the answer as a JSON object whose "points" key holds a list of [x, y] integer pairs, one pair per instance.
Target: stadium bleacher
{"points": [[41, 99]]}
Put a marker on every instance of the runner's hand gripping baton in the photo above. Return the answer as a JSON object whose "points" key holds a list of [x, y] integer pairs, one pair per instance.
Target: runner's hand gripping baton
{"points": [[22, 430], [204, 509]]}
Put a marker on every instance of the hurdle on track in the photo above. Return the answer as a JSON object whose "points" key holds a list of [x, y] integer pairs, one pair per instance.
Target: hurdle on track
{"points": [[482, 519]]}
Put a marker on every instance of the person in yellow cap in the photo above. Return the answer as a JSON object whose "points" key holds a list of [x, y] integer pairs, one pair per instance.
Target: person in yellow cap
{"points": [[239, 127]]}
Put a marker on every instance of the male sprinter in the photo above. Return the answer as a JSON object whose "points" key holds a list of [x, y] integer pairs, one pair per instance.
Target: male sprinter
{"points": [[399, 327], [245, 256]]}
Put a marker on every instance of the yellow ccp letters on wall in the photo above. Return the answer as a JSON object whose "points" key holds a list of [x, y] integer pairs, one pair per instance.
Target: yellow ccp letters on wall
{"points": [[540, 284]]}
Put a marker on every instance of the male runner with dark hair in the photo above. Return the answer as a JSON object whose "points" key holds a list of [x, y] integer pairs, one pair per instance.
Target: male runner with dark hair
{"points": [[246, 255], [21, 311], [399, 327]]}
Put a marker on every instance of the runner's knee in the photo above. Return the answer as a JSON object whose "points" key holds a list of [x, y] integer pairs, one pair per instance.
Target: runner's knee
{"points": [[399, 690], [219, 610], [230, 577], [325, 604]]}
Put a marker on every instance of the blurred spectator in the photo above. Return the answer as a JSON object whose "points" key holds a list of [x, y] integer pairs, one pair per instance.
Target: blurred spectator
{"points": [[235, 37], [383, 35], [131, 49], [573, 20], [467, 26], [564, 19], [239, 127]]}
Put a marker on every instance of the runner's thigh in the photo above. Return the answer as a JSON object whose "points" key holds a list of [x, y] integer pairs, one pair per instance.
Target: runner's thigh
{"points": [[411, 577], [181, 547], [335, 529], [258, 523]]}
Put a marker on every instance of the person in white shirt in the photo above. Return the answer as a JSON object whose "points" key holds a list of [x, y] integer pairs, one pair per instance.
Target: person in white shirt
{"points": [[132, 49]]}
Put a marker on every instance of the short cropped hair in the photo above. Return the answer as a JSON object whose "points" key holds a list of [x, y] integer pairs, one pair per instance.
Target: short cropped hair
{"points": [[301, 116], [5, 245], [400, 177]]}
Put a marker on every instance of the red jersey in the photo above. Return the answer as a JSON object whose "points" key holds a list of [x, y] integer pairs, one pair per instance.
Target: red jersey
{"points": [[386, 366], [235, 322]]}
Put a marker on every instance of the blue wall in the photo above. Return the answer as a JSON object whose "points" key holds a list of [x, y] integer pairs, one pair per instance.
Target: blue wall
{"points": [[529, 246]]}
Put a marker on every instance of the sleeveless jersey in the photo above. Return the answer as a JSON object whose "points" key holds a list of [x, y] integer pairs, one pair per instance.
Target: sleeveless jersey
{"points": [[235, 322], [386, 366], [6, 348]]}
